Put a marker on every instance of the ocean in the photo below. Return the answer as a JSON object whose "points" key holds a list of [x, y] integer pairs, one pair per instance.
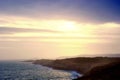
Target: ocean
{"points": [[14, 70]]}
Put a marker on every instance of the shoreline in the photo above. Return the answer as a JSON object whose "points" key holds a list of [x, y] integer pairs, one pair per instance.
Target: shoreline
{"points": [[81, 65], [75, 74]]}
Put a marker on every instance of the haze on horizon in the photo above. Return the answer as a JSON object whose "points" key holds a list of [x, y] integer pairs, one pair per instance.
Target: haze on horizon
{"points": [[31, 29]]}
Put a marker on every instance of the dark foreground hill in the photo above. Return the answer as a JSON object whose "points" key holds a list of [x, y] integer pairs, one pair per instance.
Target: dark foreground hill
{"points": [[110, 71]]}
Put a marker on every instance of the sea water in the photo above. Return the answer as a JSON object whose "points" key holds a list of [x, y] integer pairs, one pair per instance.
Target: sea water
{"points": [[28, 71]]}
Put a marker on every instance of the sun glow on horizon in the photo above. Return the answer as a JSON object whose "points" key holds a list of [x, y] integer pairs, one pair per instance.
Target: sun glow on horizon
{"points": [[59, 25], [68, 26]]}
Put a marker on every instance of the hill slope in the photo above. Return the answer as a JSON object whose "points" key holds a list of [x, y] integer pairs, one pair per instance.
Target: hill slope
{"points": [[106, 72]]}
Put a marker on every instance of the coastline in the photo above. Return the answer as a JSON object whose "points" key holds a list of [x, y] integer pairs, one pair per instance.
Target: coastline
{"points": [[74, 74], [82, 65]]}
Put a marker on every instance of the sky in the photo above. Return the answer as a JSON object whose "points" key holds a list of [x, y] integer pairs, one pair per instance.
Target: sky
{"points": [[38, 29]]}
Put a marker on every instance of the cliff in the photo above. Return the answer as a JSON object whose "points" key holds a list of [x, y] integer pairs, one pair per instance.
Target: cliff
{"points": [[80, 64]]}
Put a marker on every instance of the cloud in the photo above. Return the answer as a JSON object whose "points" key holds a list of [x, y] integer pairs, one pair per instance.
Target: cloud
{"points": [[110, 29], [10, 30], [78, 10], [3, 21]]}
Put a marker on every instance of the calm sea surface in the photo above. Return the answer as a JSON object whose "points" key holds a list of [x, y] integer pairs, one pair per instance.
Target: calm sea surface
{"points": [[29, 71]]}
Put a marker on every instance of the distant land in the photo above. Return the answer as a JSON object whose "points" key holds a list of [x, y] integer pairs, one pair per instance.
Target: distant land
{"points": [[91, 55]]}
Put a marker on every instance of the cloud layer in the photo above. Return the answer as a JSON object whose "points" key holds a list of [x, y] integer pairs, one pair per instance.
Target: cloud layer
{"points": [[10, 30], [78, 10]]}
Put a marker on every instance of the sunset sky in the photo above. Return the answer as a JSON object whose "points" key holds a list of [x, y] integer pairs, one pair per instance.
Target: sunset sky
{"points": [[35, 29]]}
